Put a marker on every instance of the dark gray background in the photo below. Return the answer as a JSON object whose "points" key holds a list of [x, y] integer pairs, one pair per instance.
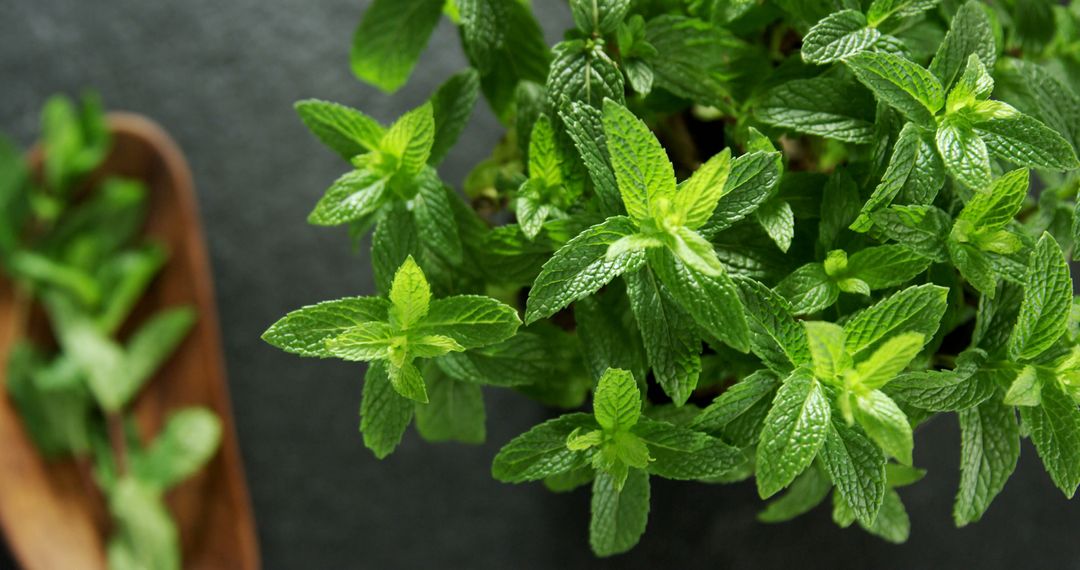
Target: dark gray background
{"points": [[221, 76]]}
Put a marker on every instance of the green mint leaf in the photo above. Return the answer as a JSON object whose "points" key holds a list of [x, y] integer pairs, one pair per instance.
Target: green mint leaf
{"points": [[585, 126], [1023, 140], [409, 140], [151, 346], [975, 266], [410, 295], [394, 239], [599, 16], [617, 400], [436, 226], [645, 176], [823, 106], [713, 302], [506, 45], [541, 451], [805, 493], [1037, 92], [683, 454], [891, 523], [471, 320], [753, 180], [608, 334], [481, 33], [915, 309], [970, 33], [455, 410], [994, 209], [882, 10], [672, 344], [989, 450], [885, 423], [543, 156], [695, 251], [914, 167], [581, 267], [522, 359], [922, 229], [900, 83], [1054, 428], [964, 153], [857, 469], [886, 266], [353, 196], [346, 131], [809, 289], [827, 352], [775, 336], [451, 107], [840, 35], [948, 391], [735, 402], [619, 515], [384, 414], [697, 196], [306, 330], [583, 72], [1044, 312], [794, 432], [184, 445], [146, 536], [1026, 388], [364, 342], [840, 204], [778, 220], [889, 360], [389, 40], [691, 58]]}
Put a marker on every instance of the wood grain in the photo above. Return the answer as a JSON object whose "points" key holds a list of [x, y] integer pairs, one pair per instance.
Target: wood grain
{"points": [[51, 516]]}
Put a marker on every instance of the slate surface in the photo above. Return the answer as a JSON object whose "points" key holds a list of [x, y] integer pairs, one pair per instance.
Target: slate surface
{"points": [[221, 77]]}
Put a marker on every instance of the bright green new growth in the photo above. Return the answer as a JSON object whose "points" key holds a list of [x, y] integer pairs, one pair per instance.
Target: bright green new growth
{"points": [[809, 248], [75, 246]]}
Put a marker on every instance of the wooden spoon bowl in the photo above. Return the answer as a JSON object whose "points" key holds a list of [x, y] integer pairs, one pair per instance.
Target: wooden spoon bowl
{"points": [[51, 515]]}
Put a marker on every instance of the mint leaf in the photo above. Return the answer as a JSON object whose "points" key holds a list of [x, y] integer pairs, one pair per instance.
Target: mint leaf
{"points": [[306, 330], [410, 139], [619, 515], [807, 492], [1023, 140], [693, 58], [969, 33], [353, 196], [857, 468], [683, 454], [885, 266], [794, 432], [900, 83], [617, 400], [187, 441], [599, 16], [891, 523], [410, 295], [915, 309], [841, 34], [583, 72], [506, 45], [581, 267], [455, 410], [882, 10], [713, 302], [964, 153], [471, 320], [809, 289], [451, 107], [994, 209], [671, 344], [885, 423], [778, 220], [585, 126], [541, 451], [889, 360], [735, 402], [922, 229], [914, 168], [989, 450], [1026, 388], [697, 196], [435, 223], [390, 38], [822, 106], [827, 352], [1047, 301], [775, 336], [522, 359], [1054, 428], [752, 181], [642, 169], [346, 131], [608, 334], [384, 414]]}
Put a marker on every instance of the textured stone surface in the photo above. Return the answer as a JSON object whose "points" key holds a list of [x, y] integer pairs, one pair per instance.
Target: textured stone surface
{"points": [[222, 76]]}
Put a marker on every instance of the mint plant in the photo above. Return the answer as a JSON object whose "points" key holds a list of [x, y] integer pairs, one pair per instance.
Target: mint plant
{"points": [[72, 243], [771, 239]]}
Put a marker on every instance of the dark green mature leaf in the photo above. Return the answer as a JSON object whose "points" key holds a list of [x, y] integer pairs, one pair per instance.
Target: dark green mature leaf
{"points": [[736, 401], [964, 153], [775, 336], [644, 174], [452, 105], [541, 451], [384, 414], [672, 345], [915, 309], [353, 196], [886, 266], [1055, 430], [471, 320], [857, 469], [809, 289], [598, 16], [900, 83], [585, 126], [1044, 312], [618, 516], [506, 45], [583, 72], [435, 223], [752, 181], [1023, 140], [581, 267], [840, 35], [389, 40], [823, 106], [915, 168], [922, 229], [693, 58], [990, 448], [970, 33], [1034, 90], [807, 492], [713, 302], [519, 360], [454, 412], [795, 430]]}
